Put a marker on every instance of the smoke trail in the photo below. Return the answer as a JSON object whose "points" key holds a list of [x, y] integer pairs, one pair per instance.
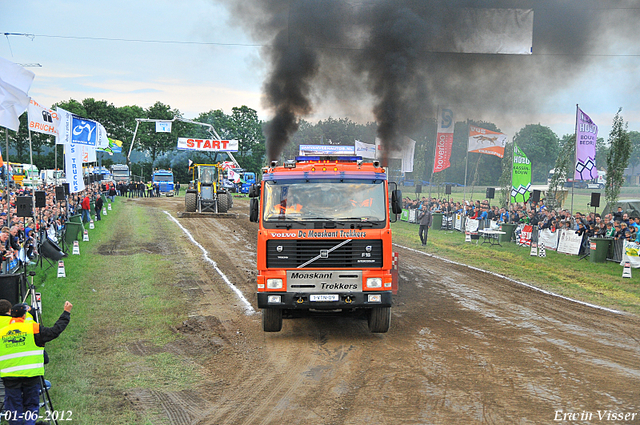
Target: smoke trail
{"points": [[396, 51]]}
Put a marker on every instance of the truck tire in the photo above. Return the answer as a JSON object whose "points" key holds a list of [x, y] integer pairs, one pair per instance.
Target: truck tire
{"points": [[379, 319], [271, 319], [190, 201], [223, 203], [230, 200]]}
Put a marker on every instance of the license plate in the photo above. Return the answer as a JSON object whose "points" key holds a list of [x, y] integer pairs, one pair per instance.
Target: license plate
{"points": [[324, 297]]}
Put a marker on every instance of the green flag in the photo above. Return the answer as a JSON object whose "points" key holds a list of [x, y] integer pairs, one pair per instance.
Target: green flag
{"points": [[521, 176]]}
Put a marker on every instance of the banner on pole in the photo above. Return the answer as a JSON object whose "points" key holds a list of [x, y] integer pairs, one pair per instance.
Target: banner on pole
{"points": [[42, 120], [486, 141], [365, 150], [444, 140], [163, 126], [73, 167], [586, 136], [631, 254], [326, 150], [208, 145], [520, 176]]}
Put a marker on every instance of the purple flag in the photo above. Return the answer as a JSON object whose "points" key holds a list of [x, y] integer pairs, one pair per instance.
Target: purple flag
{"points": [[586, 136]]}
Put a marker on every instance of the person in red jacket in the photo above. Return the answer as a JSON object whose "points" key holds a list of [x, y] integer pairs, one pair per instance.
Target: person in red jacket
{"points": [[86, 209]]}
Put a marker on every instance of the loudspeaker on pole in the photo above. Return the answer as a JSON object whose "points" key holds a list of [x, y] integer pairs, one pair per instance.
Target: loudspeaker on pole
{"points": [[491, 191], [24, 206], [595, 199], [536, 196], [41, 199], [447, 189], [418, 190], [60, 193]]}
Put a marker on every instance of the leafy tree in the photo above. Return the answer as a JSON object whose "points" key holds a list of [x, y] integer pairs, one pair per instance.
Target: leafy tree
{"points": [[541, 145], [504, 196], [618, 158], [634, 159], [565, 162]]}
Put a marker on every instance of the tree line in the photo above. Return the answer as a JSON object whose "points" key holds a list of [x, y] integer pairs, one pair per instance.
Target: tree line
{"points": [[158, 150]]}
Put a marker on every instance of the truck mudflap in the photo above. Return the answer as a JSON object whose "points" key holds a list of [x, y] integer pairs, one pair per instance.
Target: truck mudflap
{"points": [[394, 273], [324, 301]]}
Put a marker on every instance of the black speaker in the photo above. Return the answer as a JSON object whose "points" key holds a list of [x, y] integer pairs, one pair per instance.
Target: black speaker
{"points": [[447, 189], [66, 188], [59, 193], [595, 199], [491, 191], [10, 288], [418, 188], [24, 206], [51, 250], [536, 196], [41, 199]]}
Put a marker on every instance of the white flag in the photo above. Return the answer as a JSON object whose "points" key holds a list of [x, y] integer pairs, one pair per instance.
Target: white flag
{"points": [[15, 82], [73, 167], [64, 127], [234, 177], [407, 155], [43, 120], [88, 154], [102, 141], [365, 150]]}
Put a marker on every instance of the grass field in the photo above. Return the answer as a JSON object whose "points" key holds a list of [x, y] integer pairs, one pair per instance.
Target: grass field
{"points": [[598, 283], [122, 271]]}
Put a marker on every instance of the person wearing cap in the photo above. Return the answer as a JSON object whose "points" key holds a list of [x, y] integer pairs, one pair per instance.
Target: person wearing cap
{"points": [[22, 359]]}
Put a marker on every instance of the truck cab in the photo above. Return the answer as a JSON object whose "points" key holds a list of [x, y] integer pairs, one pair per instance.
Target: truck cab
{"points": [[324, 239], [164, 180]]}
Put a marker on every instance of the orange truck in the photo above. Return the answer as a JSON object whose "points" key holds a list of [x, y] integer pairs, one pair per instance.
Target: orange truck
{"points": [[324, 239]]}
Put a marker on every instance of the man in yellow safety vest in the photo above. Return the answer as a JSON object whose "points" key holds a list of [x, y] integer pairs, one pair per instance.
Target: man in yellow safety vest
{"points": [[22, 361]]}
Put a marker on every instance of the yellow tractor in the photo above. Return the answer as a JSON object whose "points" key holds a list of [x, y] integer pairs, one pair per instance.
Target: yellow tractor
{"points": [[205, 192]]}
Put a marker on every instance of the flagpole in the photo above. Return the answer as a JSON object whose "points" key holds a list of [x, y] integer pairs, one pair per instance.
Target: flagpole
{"points": [[575, 161], [435, 150], [466, 166]]}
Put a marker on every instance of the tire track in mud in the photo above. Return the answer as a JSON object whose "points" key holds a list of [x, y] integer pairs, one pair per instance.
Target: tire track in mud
{"points": [[464, 347]]}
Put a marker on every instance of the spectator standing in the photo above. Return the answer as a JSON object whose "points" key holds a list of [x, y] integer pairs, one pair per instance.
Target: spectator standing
{"points": [[86, 209], [98, 207], [425, 223]]}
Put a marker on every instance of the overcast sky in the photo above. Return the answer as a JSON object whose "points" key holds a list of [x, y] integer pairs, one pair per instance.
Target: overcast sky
{"points": [[195, 77]]}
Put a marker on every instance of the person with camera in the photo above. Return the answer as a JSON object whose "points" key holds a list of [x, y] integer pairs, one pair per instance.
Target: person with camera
{"points": [[22, 361]]}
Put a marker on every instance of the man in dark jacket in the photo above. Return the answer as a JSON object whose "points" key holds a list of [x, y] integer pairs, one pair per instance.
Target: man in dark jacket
{"points": [[98, 207], [425, 218], [22, 359]]}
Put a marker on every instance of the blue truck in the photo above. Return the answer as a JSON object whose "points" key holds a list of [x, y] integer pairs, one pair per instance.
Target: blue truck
{"points": [[164, 179], [248, 178]]}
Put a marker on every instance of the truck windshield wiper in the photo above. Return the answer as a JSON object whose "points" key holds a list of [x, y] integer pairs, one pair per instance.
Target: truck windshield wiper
{"points": [[289, 223]]}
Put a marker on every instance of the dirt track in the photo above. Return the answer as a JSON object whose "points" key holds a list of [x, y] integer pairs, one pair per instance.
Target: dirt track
{"points": [[464, 347]]}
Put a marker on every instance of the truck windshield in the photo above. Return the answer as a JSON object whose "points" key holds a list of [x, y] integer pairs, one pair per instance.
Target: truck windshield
{"points": [[309, 201], [162, 178], [124, 173]]}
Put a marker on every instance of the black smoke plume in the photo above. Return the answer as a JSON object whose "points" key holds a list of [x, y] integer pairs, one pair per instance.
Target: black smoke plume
{"points": [[393, 58]]}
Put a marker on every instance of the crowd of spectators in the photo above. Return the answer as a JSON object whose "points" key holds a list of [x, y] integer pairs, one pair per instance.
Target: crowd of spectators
{"points": [[618, 225], [19, 236]]}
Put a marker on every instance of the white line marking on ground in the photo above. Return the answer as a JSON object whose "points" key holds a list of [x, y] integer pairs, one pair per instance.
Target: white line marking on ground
{"points": [[247, 305], [513, 280]]}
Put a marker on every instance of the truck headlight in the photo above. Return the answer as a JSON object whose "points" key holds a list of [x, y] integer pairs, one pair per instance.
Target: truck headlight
{"points": [[274, 283], [374, 282], [375, 298]]}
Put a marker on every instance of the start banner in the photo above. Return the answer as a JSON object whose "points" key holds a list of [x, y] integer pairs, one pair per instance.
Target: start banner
{"points": [[207, 145]]}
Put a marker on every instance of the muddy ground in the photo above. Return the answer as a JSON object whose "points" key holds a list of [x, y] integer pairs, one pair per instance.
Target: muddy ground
{"points": [[464, 347]]}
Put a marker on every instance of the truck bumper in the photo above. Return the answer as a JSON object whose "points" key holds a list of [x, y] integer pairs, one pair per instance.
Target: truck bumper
{"points": [[302, 300]]}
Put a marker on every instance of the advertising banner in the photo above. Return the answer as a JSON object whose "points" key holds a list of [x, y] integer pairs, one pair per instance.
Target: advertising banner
{"points": [[15, 82], [42, 120], [525, 235], [586, 136], [569, 242], [163, 126], [73, 167], [631, 253], [208, 145], [520, 176], [84, 132], [444, 140], [486, 141], [365, 150], [326, 150], [548, 238]]}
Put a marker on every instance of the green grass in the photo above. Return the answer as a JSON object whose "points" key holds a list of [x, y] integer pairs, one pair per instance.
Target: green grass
{"points": [[598, 283], [117, 300]]}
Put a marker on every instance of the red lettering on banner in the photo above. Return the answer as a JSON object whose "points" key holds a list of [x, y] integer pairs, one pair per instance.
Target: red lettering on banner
{"points": [[216, 144], [225, 143], [190, 143], [207, 144]]}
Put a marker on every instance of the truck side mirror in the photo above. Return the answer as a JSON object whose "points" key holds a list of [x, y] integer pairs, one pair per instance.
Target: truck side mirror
{"points": [[254, 210], [254, 191], [396, 201]]}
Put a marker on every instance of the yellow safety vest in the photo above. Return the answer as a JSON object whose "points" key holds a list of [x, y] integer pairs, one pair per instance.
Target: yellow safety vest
{"points": [[20, 357]]}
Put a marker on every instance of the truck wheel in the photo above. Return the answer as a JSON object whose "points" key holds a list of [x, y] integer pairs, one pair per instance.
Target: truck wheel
{"points": [[379, 319], [271, 319], [230, 200], [223, 203], [190, 202]]}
